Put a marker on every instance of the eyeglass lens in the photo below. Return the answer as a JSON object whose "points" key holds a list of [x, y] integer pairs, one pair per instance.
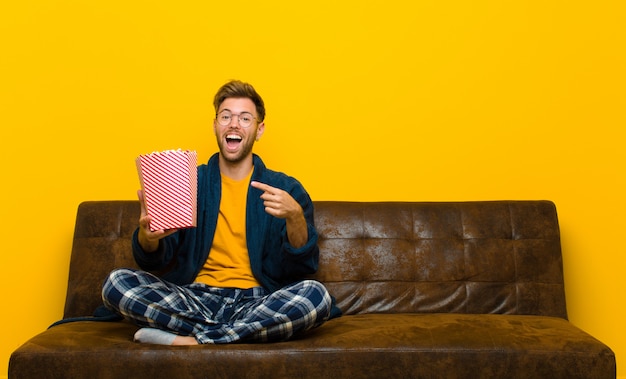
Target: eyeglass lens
{"points": [[225, 117]]}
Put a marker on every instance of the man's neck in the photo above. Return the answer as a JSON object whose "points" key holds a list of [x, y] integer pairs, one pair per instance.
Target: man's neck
{"points": [[236, 170]]}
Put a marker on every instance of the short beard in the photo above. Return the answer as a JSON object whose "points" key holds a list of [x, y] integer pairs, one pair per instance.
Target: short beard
{"points": [[243, 153]]}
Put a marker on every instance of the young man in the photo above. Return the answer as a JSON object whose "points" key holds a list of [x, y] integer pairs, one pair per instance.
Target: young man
{"points": [[237, 276]]}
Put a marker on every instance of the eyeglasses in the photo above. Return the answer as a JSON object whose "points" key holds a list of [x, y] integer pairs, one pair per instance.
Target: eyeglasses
{"points": [[244, 119]]}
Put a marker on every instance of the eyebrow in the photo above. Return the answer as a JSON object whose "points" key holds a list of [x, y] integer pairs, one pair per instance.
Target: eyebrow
{"points": [[226, 109]]}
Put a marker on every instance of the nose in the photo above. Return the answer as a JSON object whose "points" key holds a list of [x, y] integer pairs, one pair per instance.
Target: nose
{"points": [[234, 122]]}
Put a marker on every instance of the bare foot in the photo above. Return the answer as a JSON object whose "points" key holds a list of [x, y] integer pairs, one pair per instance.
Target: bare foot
{"points": [[184, 341]]}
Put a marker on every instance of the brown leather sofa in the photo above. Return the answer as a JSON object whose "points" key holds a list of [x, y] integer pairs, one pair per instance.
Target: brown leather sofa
{"points": [[428, 290]]}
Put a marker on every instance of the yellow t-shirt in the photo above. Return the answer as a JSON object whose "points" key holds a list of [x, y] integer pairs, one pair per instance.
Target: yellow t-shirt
{"points": [[228, 264]]}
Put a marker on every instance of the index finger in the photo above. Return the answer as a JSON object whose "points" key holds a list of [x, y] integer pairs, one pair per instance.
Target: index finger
{"points": [[262, 186]]}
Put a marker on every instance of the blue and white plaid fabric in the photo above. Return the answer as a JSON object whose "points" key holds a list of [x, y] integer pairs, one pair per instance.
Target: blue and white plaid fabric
{"points": [[217, 315]]}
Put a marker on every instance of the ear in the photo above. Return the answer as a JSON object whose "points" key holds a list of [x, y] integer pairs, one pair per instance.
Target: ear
{"points": [[259, 131], [215, 127]]}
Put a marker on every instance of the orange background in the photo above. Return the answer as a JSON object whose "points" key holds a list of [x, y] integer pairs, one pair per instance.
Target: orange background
{"points": [[416, 101]]}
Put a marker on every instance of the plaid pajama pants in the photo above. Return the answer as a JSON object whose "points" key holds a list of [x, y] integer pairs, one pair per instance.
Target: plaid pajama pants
{"points": [[217, 315]]}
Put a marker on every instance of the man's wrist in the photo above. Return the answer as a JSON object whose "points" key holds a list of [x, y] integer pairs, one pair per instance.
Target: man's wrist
{"points": [[297, 230], [147, 245]]}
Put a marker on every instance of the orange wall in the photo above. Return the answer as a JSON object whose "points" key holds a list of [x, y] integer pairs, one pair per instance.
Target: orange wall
{"points": [[453, 100]]}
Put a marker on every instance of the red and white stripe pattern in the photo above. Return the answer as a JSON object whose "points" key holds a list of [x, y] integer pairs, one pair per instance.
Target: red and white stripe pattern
{"points": [[170, 183]]}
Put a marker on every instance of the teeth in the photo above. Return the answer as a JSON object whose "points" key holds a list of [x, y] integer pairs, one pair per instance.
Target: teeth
{"points": [[233, 136]]}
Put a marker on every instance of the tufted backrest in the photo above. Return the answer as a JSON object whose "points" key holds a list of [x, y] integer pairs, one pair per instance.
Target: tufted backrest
{"points": [[464, 257]]}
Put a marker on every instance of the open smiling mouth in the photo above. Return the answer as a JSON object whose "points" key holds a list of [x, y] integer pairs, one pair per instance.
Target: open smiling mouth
{"points": [[233, 140]]}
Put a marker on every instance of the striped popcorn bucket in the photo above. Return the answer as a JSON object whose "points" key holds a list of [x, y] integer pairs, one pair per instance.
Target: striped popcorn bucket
{"points": [[169, 183]]}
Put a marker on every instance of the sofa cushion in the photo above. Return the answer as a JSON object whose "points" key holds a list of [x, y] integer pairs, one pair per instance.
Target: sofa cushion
{"points": [[359, 346]]}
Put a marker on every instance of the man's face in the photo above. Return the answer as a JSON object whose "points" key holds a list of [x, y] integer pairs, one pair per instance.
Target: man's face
{"points": [[235, 142]]}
